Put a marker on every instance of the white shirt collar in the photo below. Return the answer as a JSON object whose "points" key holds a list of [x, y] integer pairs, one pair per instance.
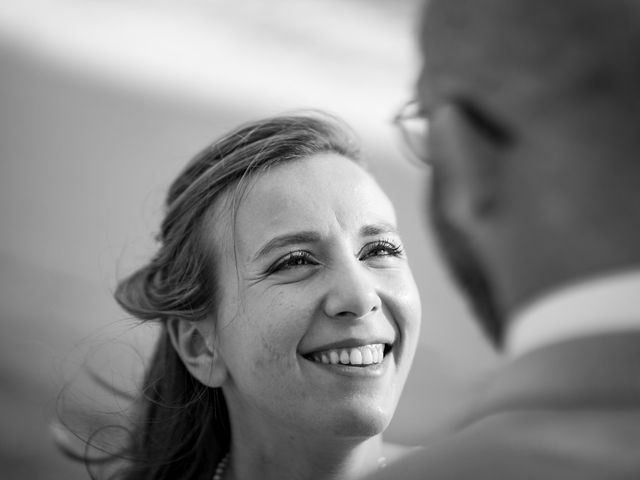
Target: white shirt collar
{"points": [[599, 305]]}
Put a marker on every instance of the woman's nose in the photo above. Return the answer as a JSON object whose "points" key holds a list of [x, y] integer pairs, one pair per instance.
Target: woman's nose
{"points": [[352, 292]]}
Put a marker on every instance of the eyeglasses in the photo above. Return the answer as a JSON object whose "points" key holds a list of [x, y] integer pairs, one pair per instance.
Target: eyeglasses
{"points": [[413, 123]]}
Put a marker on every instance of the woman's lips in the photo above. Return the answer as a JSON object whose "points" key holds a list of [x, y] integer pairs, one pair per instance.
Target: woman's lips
{"points": [[362, 356]]}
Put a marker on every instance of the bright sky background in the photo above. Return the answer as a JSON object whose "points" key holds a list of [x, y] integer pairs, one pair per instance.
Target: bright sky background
{"points": [[346, 56]]}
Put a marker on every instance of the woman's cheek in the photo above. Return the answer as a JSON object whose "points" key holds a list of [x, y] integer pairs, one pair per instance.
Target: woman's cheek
{"points": [[404, 300], [281, 326]]}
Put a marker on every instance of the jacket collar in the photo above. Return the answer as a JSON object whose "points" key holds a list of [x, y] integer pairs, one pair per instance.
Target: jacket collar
{"points": [[590, 372]]}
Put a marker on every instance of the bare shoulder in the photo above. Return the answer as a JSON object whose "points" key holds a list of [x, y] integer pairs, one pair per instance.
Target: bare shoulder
{"points": [[392, 452]]}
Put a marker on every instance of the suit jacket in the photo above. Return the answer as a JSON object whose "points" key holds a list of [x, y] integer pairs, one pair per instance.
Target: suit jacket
{"points": [[566, 411]]}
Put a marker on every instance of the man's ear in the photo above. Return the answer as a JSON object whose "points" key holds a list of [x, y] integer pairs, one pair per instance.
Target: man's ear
{"points": [[475, 155], [193, 341]]}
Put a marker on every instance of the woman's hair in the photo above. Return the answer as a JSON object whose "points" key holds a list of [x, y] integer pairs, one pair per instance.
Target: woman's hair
{"points": [[181, 429]]}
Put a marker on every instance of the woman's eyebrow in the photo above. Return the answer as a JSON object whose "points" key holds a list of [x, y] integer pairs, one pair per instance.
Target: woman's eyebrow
{"points": [[287, 239], [378, 229]]}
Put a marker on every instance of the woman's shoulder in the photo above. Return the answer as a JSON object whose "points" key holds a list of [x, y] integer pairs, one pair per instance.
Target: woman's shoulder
{"points": [[392, 452]]}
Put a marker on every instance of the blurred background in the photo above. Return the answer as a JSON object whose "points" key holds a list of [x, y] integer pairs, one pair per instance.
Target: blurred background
{"points": [[102, 103]]}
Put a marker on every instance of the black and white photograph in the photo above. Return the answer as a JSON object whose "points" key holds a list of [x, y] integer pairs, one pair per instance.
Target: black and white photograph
{"points": [[319, 239]]}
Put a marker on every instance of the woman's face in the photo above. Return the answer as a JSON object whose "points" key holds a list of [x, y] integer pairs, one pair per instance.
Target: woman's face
{"points": [[319, 314]]}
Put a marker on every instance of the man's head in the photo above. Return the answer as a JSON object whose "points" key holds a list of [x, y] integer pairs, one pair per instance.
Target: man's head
{"points": [[534, 111]]}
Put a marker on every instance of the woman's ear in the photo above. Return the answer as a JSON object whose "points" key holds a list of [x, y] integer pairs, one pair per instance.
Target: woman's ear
{"points": [[193, 342]]}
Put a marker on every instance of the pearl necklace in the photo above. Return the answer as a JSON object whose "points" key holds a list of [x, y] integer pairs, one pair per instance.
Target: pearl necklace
{"points": [[222, 466]]}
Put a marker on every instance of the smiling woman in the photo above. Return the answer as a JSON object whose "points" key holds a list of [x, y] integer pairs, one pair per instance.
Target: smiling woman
{"points": [[288, 311]]}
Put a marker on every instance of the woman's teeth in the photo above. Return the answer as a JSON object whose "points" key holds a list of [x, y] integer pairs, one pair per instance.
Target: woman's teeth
{"points": [[365, 355]]}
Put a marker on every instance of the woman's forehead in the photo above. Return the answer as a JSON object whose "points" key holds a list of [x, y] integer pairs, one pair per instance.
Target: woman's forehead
{"points": [[323, 194], [312, 186]]}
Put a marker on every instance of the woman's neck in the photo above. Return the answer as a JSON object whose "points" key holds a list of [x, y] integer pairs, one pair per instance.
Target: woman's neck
{"points": [[289, 457]]}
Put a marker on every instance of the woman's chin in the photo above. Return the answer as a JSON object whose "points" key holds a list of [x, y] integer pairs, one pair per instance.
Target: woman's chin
{"points": [[361, 422]]}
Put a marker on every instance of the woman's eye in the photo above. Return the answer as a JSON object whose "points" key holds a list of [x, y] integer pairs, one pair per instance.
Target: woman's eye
{"points": [[293, 260], [381, 248]]}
